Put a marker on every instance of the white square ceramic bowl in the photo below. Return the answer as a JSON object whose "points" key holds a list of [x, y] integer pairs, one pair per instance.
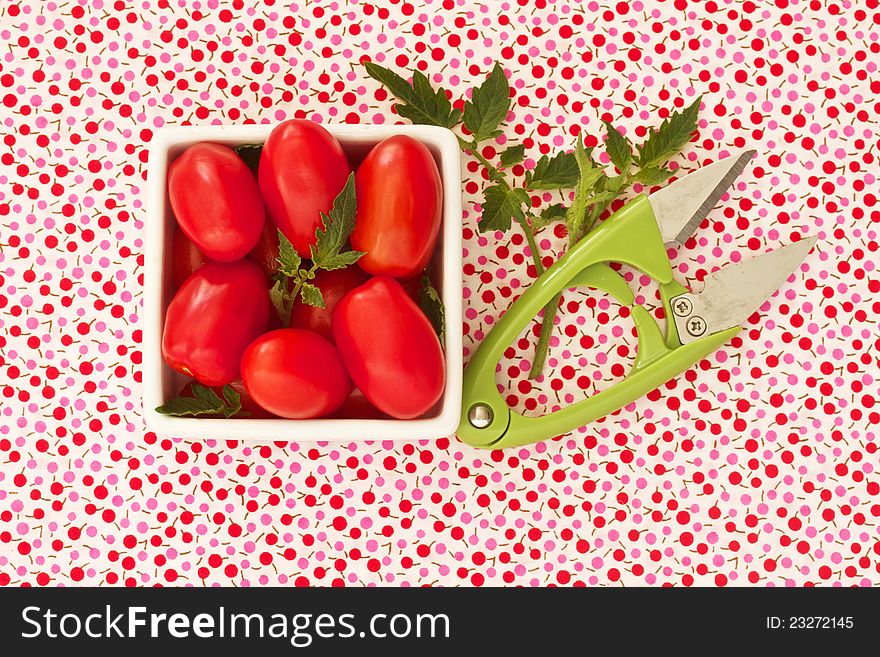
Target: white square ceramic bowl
{"points": [[160, 383]]}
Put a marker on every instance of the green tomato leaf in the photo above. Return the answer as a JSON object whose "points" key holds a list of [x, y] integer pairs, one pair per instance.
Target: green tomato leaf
{"points": [[281, 300], [250, 153], [618, 147], [233, 401], [342, 260], [557, 172], [204, 401], [311, 295], [418, 101], [612, 184], [437, 102], [501, 204], [667, 140], [488, 105], [590, 174], [432, 305], [182, 406], [549, 215], [206, 395], [337, 226], [652, 176], [512, 155], [603, 198], [288, 259]]}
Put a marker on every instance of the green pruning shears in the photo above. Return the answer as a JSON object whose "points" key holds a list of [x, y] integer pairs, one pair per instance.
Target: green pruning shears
{"points": [[635, 235]]}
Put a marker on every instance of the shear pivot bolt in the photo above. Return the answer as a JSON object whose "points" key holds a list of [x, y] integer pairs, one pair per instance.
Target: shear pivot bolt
{"points": [[480, 416], [682, 307], [696, 326]]}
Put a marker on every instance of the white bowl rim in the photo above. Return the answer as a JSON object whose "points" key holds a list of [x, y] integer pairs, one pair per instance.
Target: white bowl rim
{"points": [[443, 424]]}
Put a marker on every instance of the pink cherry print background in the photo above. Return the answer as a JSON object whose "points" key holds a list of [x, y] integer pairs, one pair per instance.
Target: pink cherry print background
{"points": [[757, 466]]}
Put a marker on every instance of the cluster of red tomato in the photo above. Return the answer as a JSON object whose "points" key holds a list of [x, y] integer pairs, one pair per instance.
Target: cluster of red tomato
{"points": [[219, 324]]}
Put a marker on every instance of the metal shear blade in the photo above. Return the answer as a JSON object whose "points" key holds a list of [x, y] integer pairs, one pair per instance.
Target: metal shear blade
{"points": [[680, 208], [731, 294]]}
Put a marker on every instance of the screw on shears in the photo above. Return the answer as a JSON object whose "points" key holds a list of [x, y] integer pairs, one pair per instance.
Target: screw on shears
{"points": [[480, 416], [697, 323], [696, 326], [682, 306]]}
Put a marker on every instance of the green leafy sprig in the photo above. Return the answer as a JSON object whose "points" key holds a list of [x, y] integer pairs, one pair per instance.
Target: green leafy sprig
{"points": [[432, 305], [204, 401], [294, 275], [418, 101], [505, 202]]}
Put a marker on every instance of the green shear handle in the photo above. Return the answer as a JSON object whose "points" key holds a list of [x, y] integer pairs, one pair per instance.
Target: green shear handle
{"points": [[630, 236]]}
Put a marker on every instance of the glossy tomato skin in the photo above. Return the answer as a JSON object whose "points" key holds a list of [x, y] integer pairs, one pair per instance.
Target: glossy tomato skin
{"points": [[185, 258], [389, 348], [334, 284], [212, 318], [357, 407], [295, 374], [216, 201], [399, 202], [265, 253], [250, 410], [302, 169]]}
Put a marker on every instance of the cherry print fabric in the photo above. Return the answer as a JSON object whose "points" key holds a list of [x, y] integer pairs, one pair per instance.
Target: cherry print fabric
{"points": [[757, 466]]}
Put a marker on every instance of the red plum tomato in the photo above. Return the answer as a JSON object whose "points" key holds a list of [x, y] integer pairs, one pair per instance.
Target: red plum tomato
{"points": [[295, 374], [302, 169], [389, 348], [357, 407], [216, 201], [334, 284], [266, 252], [185, 258], [399, 202], [212, 318]]}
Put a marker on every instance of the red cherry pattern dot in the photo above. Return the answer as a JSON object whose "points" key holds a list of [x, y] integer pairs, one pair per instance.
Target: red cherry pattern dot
{"points": [[758, 466]]}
